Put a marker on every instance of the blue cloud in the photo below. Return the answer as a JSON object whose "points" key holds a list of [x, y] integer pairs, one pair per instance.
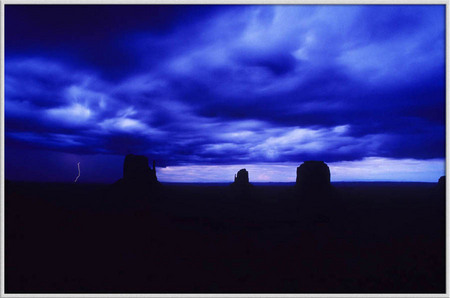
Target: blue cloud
{"points": [[227, 84]]}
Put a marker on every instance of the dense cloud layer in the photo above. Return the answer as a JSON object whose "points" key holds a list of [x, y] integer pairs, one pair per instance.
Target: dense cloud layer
{"points": [[210, 85]]}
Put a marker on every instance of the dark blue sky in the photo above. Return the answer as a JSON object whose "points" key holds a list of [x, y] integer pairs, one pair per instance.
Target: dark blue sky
{"points": [[221, 87]]}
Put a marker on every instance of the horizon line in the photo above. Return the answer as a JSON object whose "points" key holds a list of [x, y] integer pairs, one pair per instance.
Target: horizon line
{"points": [[230, 182]]}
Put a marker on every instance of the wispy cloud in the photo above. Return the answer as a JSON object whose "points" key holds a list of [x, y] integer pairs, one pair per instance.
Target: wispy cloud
{"points": [[222, 85]]}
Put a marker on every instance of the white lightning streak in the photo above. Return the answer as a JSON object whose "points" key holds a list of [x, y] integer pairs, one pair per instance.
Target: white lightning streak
{"points": [[79, 173]]}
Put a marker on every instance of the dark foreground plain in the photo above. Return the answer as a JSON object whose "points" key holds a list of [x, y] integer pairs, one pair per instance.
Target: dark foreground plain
{"points": [[360, 238]]}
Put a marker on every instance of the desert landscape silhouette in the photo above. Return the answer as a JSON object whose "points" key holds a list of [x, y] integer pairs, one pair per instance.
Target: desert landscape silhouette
{"points": [[142, 236]]}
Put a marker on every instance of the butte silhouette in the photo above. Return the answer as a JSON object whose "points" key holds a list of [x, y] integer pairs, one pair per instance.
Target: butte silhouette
{"points": [[138, 177], [241, 181], [313, 177]]}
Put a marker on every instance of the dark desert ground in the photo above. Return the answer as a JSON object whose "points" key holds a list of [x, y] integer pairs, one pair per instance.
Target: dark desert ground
{"points": [[213, 238]]}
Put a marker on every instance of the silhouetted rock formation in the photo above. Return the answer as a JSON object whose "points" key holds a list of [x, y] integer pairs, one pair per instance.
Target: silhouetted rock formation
{"points": [[313, 176], [242, 177], [441, 185], [138, 178], [241, 183], [136, 170]]}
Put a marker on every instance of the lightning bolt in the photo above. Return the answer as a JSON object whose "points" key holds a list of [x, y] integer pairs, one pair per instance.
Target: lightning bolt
{"points": [[79, 173]]}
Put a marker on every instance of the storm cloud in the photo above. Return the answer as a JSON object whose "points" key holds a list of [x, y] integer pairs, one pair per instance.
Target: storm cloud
{"points": [[226, 85]]}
